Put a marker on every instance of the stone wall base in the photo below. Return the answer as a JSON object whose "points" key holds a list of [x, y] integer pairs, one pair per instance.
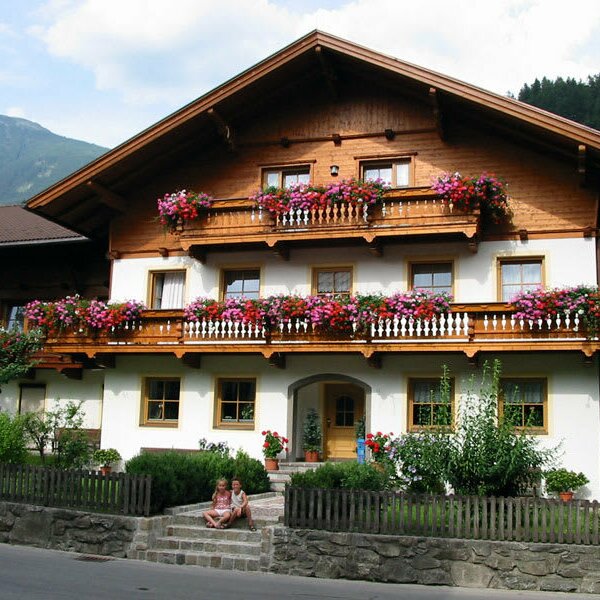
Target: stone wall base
{"points": [[70, 530], [433, 561]]}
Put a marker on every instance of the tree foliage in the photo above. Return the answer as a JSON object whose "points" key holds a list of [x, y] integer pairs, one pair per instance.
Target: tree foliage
{"points": [[575, 100], [16, 349]]}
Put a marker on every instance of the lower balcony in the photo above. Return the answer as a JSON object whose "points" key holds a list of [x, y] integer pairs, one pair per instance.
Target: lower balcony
{"points": [[467, 328]]}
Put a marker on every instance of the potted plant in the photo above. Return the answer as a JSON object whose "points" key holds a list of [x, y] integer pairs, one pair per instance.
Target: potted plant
{"points": [[564, 482], [312, 436], [105, 457], [272, 446]]}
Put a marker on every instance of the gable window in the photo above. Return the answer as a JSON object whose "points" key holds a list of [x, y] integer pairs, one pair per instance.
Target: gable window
{"points": [[433, 277], [285, 177], [161, 401], [523, 402], [32, 398], [167, 289], [519, 275], [14, 317], [394, 173], [236, 401], [239, 283], [332, 280], [427, 408]]}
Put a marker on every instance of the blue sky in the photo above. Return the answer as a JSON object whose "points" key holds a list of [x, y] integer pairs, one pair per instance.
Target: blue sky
{"points": [[102, 70]]}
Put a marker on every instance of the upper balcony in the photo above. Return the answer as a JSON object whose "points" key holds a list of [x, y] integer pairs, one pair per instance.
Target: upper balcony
{"points": [[414, 212], [467, 328]]}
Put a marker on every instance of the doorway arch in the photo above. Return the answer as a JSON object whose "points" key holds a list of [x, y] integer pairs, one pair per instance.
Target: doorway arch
{"points": [[322, 392]]}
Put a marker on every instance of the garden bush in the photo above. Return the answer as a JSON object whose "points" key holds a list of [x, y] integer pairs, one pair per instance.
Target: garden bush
{"points": [[185, 478], [13, 439], [343, 475]]}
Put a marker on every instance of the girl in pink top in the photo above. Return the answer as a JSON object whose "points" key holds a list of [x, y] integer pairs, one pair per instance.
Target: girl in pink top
{"points": [[221, 506]]}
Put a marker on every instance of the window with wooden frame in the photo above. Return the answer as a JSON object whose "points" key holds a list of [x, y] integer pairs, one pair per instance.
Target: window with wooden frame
{"points": [[13, 316], [434, 277], [518, 275], [429, 405], [285, 177], [239, 283], [395, 173], [32, 398], [524, 403], [236, 403], [161, 401], [332, 280], [167, 289]]}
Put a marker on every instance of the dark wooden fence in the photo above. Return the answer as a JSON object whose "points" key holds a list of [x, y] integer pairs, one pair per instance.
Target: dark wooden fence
{"points": [[118, 493], [466, 517]]}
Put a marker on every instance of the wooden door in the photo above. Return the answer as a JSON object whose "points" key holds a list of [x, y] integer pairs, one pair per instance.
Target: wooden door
{"points": [[344, 405]]}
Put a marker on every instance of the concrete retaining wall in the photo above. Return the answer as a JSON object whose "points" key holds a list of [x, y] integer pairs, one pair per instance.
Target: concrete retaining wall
{"points": [[433, 561]]}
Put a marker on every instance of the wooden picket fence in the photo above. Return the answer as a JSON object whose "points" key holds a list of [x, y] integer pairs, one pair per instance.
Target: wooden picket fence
{"points": [[119, 493], [466, 517]]}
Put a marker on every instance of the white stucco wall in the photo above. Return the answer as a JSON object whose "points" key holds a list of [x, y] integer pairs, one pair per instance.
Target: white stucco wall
{"points": [[60, 390], [566, 262], [573, 404]]}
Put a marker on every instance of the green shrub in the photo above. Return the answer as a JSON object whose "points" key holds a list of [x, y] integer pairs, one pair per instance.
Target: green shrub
{"points": [[185, 479], [346, 475], [562, 480], [13, 439]]}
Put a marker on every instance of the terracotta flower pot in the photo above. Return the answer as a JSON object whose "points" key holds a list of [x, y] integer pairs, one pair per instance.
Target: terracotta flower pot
{"points": [[566, 496], [272, 464], [311, 456], [106, 470]]}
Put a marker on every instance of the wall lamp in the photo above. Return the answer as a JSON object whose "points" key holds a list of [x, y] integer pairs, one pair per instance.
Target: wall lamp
{"points": [[334, 170]]}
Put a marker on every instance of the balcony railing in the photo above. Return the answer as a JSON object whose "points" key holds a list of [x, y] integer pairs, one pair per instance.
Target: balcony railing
{"points": [[413, 211], [467, 327]]}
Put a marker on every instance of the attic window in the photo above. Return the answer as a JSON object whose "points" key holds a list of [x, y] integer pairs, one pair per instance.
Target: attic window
{"points": [[285, 177]]}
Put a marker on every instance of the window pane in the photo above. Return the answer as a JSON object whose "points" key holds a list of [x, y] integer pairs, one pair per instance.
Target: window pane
{"points": [[422, 280], [228, 411], [510, 291], [251, 281], [325, 282], [425, 391], [514, 415], [155, 410], [402, 172], [158, 281], [171, 390], [532, 273], [172, 410], [16, 318], [233, 282], [172, 290], [511, 273], [246, 390], [304, 178], [272, 178], [382, 172], [534, 416], [247, 411], [441, 414], [156, 389], [32, 398], [342, 282], [422, 414], [229, 391], [442, 279]]}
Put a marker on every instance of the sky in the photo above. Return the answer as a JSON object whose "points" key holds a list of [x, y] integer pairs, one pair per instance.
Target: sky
{"points": [[104, 70]]}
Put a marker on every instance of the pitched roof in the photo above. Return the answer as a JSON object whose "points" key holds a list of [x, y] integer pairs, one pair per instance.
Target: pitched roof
{"points": [[19, 226], [94, 184]]}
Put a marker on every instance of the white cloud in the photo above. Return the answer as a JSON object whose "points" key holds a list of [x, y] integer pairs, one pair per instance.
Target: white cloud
{"points": [[159, 54], [15, 111]]}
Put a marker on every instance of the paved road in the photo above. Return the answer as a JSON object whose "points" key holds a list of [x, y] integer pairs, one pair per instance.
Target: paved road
{"points": [[34, 574]]}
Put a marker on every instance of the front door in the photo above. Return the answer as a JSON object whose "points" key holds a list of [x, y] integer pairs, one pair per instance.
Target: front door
{"points": [[344, 405]]}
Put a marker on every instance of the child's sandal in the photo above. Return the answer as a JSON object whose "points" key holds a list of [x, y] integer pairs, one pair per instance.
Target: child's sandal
{"points": [[252, 528]]}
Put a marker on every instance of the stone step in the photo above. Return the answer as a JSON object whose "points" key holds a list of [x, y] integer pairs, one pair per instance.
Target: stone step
{"points": [[216, 546], [202, 559], [203, 532], [239, 525], [278, 486]]}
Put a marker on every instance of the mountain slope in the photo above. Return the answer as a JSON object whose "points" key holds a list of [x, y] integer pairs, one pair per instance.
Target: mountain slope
{"points": [[34, 158]]}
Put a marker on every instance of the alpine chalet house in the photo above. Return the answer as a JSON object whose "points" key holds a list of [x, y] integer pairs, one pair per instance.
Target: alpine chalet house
{"points": [[275, 281]]}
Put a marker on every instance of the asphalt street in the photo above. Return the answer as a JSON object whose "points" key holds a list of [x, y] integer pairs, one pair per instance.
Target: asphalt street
{"points": [[36, 574]]}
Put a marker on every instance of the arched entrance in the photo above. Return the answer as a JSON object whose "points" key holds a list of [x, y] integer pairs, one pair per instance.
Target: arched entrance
{"points": [[340, 400]]}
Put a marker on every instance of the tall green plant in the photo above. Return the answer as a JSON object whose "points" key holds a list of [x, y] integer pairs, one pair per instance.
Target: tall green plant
{"points": [[13, 439], [487, 456], [16, 349], [311, 432]]}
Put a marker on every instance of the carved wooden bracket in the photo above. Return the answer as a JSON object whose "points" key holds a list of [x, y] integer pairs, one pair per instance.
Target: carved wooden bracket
{"points": [[581, 166], [197, 253], [164, 252], [281, 251], [105, 361], [193, 360], [375, 361], [277, 360]]}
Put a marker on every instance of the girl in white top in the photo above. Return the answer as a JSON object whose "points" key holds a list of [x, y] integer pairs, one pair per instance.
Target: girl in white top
{"points": [[239, 504]]}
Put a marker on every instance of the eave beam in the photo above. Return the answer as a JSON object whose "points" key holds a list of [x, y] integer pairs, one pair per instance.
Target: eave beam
{"points": [[225, 130], [108, 197]]}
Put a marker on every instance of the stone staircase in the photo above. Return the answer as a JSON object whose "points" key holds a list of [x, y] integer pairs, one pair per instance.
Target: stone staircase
{"points": [[185, 539], [282, 476]]}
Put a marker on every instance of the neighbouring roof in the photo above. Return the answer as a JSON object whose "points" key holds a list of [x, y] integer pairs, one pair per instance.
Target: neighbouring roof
{"points": [[89, 198], [19, 227]]}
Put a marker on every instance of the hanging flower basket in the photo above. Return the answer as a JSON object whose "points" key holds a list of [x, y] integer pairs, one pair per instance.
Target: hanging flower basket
{"points": [[178, 207], [486, 192]]}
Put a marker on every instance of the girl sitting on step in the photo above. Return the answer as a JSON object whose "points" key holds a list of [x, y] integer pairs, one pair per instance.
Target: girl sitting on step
{"points": [[221, 506]]}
